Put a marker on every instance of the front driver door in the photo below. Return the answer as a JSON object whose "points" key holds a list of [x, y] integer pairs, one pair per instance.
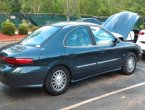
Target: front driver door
{"points": [[108, 49]]}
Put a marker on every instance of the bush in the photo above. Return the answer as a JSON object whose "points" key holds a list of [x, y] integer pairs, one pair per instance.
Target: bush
{"points": [[30, 25], [141, 26], [24, 22], [8, 28], [23, 29], [34, 28]]}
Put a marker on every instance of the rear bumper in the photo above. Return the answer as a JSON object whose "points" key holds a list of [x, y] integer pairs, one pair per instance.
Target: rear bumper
{"points": [[23, 76]]}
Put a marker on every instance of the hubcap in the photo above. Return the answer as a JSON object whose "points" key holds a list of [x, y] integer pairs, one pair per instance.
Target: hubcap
{"points": [[58, 80], [130, 64]]}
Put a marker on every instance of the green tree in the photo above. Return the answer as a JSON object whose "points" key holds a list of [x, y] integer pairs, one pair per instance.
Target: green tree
{"points": [[139, 7], [70, 8], [73, 7], [4, 7], [15, 6]]}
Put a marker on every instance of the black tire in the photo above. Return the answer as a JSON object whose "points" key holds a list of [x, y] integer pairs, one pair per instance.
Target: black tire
{"points": [[52, 79], [125, 68], [143, 56]]}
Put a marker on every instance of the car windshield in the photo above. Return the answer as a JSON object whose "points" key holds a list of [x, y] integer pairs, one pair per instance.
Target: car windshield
{"points": [[40, 35]]}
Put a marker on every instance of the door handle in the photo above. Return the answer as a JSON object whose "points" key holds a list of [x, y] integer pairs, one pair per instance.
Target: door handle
{"points": [[101, 51], [72, 55]]}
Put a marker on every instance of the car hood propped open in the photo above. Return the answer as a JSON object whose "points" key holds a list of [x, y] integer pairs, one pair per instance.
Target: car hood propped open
{"points": [[121, 23]]}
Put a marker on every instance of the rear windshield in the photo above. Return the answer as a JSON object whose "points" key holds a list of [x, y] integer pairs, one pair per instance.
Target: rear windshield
{"points": [[40, 35]]}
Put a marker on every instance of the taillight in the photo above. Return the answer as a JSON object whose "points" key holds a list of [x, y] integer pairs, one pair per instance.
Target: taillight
{"points": [[141, 33], [17, 61]]}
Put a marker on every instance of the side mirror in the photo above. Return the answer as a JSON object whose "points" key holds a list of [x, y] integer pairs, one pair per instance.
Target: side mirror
{"points": [[121, 38], [115, 41]]}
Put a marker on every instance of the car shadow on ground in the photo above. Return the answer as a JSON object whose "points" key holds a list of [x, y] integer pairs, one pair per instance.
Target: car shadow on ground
{"points": [[98, 78], [22, 93]]}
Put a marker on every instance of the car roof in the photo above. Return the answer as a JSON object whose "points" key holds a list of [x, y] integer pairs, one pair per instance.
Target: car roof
{"points": [[87, 18], [74, 23]]}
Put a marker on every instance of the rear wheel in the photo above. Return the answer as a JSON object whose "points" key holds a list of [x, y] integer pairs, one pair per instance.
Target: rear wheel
{"points": [[129, 65], [57, 80]]}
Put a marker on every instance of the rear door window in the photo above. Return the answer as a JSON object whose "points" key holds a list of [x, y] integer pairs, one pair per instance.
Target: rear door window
{"points": [[78, 37]]}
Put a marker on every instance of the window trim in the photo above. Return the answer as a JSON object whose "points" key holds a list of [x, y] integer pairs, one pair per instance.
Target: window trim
{"points": [[64, 40]]}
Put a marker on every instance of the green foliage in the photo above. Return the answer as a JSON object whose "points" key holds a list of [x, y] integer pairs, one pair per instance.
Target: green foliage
{"points": [[34, 28], [15, 6], [23, 29], [8, 28], [73, 7], [24, 22], [141, 26], [4, 7]]}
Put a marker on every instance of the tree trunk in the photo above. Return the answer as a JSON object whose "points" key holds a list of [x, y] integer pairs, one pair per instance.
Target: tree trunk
{"points": [[68, 10]]}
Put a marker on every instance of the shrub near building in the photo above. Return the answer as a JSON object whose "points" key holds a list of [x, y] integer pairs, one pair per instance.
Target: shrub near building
{"points": [[8, 28], [34, 28], [23, 29]]}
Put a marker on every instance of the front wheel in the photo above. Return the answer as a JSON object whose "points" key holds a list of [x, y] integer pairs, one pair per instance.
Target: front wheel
{"points": [[129, 65], [57, 80]]}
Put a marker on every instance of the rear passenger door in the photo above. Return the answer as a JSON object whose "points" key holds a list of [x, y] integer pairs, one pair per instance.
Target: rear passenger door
{"points": [[80, 52]]}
